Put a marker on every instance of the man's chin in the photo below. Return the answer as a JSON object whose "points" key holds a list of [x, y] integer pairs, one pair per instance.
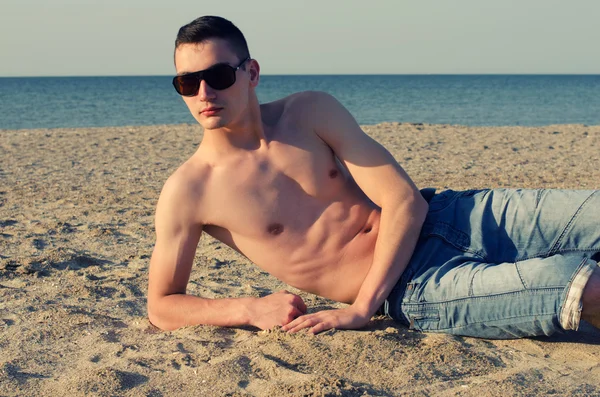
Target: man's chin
{"points": [[212, 123]]}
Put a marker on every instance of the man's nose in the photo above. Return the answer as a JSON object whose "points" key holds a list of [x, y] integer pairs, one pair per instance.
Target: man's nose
{"points": [[205, 92]]}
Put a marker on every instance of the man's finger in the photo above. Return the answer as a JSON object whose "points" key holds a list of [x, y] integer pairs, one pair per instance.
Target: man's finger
{"points": [[303, 323], [319, 328], [293, 323], [301, 305]]}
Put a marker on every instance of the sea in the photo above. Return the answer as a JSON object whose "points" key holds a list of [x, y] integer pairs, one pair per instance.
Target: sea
{"points": [[472, 100]]}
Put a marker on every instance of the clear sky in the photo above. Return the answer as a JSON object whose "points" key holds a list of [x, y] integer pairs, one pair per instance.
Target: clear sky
{"points": [[135, 37]]}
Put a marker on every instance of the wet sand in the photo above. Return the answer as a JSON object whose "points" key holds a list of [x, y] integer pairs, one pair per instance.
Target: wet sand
{"points": [[76, 234]]}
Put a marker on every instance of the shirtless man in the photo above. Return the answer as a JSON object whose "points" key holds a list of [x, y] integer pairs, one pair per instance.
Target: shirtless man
{"points": [[298, 188]]}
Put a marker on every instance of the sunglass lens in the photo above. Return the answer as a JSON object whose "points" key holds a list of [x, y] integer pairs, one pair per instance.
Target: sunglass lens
{"points": [[186, 85], [220, 76]]}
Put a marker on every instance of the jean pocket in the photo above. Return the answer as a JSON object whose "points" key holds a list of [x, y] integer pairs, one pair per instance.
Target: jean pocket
{"points": [[493, 279], [424, 319], [442, 200]]}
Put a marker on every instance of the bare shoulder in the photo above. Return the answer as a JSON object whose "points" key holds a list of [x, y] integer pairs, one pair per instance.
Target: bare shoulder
{"points": [[310, 101], [182, 194], [309, 98], [303, 108]]}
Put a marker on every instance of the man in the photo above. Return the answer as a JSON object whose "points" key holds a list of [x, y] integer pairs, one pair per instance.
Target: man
{"points": [[297, 187]]}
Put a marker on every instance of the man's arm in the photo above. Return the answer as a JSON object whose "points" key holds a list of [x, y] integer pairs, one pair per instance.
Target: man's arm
{"points": [[169, 307], [403, 212]]}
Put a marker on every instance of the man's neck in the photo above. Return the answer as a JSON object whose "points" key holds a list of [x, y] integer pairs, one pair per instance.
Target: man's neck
{"points": [[246, 135]]}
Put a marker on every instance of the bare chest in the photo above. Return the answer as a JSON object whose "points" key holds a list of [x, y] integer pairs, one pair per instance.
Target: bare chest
{"points": [[282, 189]]}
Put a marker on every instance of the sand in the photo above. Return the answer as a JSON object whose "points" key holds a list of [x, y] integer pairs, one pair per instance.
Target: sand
{"points": [[76, 234]]}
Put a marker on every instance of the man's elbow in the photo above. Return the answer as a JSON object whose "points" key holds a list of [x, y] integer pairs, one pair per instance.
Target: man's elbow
{"points": [[158, 319], [417, 206]]}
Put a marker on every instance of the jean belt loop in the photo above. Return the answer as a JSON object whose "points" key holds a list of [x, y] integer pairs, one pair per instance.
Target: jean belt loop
{"points": [[386, 308]]}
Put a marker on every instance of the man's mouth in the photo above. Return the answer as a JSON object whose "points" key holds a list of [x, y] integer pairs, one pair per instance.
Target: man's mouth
{"points": [[211, 111]]}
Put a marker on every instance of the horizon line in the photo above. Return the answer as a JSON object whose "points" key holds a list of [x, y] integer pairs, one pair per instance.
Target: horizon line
{"points": [[319, 74]]}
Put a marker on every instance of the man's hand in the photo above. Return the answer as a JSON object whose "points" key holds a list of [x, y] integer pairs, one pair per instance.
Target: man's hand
{"points": [[346, 318], [276, 309]]}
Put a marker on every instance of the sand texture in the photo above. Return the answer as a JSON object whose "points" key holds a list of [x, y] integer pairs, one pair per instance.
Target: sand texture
{"points": [[76, 235]]}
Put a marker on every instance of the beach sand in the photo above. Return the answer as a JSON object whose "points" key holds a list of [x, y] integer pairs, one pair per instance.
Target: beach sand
{"points": [[76, 235]]}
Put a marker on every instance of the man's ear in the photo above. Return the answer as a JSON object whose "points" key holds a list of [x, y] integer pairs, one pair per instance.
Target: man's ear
{"points": [[254, 72]]}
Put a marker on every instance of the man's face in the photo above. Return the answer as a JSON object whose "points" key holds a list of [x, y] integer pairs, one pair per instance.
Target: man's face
{"points": [[213, 108]]}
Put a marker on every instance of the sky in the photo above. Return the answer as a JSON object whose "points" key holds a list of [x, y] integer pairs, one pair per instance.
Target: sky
{"points": [[135, 37]]}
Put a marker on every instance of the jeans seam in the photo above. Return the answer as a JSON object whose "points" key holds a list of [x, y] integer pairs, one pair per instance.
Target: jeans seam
{"points": [[521, 276], [538, 197], [559, 251], [569, 250], [472, 280], [425, 305], [503, 319], [568, 226], [455, 244]]}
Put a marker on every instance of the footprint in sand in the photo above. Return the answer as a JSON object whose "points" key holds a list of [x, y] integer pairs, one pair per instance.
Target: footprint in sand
{"points": [[57, 259], [6, 236], [96, 358], [106, 381], [39, 243], [62, 259]]}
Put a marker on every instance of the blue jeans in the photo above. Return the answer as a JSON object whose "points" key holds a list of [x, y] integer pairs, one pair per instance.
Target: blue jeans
{"points": [[500, 263]]}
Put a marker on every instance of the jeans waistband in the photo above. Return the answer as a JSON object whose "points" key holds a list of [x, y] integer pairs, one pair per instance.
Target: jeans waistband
{"points": [[428, 193]]}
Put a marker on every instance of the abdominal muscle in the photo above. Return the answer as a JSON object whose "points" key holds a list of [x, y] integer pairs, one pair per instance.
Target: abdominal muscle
{"points": [[340, 267], [330, 259]]}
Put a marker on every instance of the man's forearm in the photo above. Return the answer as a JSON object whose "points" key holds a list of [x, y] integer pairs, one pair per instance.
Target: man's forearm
{"points": [[399, 229], [179, 310]]}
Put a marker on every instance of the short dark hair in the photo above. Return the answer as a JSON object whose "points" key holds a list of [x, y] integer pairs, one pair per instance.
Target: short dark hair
{"points": [[208, 27]]}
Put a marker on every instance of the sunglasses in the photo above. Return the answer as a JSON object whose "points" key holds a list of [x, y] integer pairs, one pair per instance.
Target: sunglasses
{"points": [[219, 77]]}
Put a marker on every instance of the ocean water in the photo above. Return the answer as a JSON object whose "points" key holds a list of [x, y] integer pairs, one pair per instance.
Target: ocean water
{"points": [[474, 100]]}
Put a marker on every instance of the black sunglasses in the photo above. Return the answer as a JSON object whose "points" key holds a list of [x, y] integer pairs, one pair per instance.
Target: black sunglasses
{"points": [[219, 77]]}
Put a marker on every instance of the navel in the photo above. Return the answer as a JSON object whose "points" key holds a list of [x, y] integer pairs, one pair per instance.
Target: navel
{"points": [[275, 229], [368, 229], [333, 173]]}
